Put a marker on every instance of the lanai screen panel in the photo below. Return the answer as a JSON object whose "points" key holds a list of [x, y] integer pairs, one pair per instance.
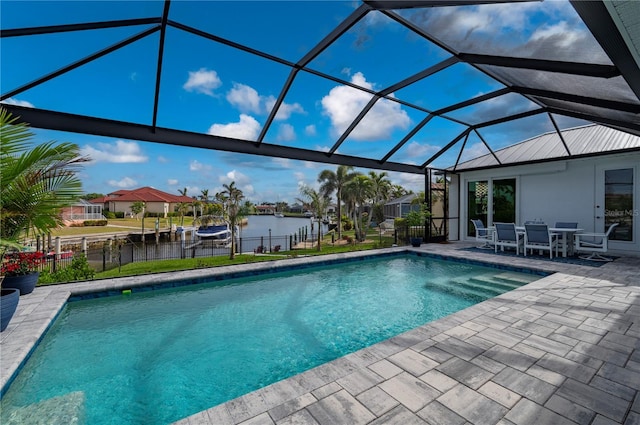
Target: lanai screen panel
{"points": [[394, 85]]}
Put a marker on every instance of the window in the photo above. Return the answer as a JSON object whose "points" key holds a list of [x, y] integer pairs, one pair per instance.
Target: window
{"points": [[618, 203]]}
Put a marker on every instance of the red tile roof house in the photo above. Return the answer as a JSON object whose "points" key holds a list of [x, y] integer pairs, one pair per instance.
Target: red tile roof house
{"points": [[156, 200]]}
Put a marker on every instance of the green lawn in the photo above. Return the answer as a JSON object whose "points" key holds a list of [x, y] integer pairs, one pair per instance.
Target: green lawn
{"points": [[140, 268]]}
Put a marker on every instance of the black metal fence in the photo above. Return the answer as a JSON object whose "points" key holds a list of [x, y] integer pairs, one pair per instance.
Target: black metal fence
{"points": [[121, 252], [118, 252]]}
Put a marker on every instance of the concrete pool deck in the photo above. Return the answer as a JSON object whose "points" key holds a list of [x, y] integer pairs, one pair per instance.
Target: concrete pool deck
{"points": [[562, 349]]}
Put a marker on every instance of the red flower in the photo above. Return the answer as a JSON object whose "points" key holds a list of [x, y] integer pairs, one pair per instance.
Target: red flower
{"points": [[21, 263]]}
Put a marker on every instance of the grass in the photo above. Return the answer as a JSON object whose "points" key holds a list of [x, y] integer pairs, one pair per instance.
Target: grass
{"points": [[159, 266], [119, 225]]}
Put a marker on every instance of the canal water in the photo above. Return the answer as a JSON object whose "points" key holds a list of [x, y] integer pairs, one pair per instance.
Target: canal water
{"points": [[259, 225]]}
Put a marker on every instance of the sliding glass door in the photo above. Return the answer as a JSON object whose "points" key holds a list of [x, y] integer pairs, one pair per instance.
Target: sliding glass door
{"points": [[500, 206], [477, 203]]}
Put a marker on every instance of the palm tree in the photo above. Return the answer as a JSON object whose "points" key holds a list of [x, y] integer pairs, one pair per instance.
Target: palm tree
{"points": [[334, 181], [182, 209], [233, 196], [317, 202], [381, 188], [204, 198], [358, 191], [36, 182], [397, 191]]}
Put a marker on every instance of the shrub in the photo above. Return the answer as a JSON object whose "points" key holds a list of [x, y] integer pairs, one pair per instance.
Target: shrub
{"points": [[119, 214], [79, 269], [110, 214], [89, 223]]}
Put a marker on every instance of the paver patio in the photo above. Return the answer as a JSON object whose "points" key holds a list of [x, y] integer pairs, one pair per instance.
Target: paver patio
{"points": [[564, 349]]}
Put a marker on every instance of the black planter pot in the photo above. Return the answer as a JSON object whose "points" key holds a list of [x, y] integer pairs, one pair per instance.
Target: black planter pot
{"points": [[24, 283], [8, 304], [416, 242]]}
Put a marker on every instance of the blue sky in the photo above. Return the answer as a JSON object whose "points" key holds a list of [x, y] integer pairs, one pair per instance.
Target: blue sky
{"points": [[210, 88]]}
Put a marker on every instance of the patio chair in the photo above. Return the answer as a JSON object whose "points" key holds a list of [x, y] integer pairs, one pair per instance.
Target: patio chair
{"points": [[537, 236], [594, 243], [483, 235], [506, 236]]}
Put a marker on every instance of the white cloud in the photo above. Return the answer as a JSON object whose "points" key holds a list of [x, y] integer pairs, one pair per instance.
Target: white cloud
{"points": [[285, 110], [162, 159], [119, 152], [282, 162], [247, 128], [409, 181], [242, 181], [199, 166], [235, 176], [172, 182], [473, 151], [563, 35], [300, 176], [286, 133], [344, 103], [123, 184], [133, 76], [203, 81], [245, 98], [322, 148], [248, 100], [310, 130], [12, 101], [417, 153]]}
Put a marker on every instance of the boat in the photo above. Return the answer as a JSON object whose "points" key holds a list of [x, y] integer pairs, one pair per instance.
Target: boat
{"points": [[219, 232], [279, 215]]}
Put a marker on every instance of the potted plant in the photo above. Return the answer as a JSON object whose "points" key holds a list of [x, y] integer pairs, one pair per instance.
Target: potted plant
{"points": [[20, 270], [8, 304], [416, 218]]}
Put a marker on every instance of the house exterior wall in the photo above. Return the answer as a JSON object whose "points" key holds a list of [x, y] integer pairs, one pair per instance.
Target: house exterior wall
{"points": [[151, 207], [570, 190]]}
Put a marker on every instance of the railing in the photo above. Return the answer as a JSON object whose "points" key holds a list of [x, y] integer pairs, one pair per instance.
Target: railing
{"points": [[125, 252], [83, 216], [118, 252]]}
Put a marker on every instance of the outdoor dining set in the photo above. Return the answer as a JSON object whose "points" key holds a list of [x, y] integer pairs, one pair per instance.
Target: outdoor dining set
{"points": [[564, 238]]}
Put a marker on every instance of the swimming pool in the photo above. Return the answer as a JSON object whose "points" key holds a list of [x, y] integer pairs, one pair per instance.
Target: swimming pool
{"points": [[155, 357]]}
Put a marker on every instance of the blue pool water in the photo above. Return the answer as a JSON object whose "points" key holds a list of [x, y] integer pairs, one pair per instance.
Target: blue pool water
{"points": [[156, 357]]}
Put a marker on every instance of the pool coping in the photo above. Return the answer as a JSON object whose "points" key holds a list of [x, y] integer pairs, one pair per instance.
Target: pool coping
{"points": [[323, 385]]}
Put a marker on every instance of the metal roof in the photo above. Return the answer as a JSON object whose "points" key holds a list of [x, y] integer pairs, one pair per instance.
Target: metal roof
{"points": [[594, 79], [575, 142]]}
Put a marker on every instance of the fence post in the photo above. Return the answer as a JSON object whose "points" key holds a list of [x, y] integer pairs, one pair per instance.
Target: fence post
{"points": [[104, 256], [83, 245], [56, 254], [183, 239], [37, 242], [269, 240]]}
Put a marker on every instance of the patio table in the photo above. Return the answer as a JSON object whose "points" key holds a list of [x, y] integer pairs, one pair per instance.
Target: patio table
{"points": [[567, 245]]}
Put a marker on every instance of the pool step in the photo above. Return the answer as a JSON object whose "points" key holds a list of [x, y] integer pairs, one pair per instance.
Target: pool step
{"points": [[501, 285], [478, 284], [480, 287], [460, 290], [65, 409]]}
